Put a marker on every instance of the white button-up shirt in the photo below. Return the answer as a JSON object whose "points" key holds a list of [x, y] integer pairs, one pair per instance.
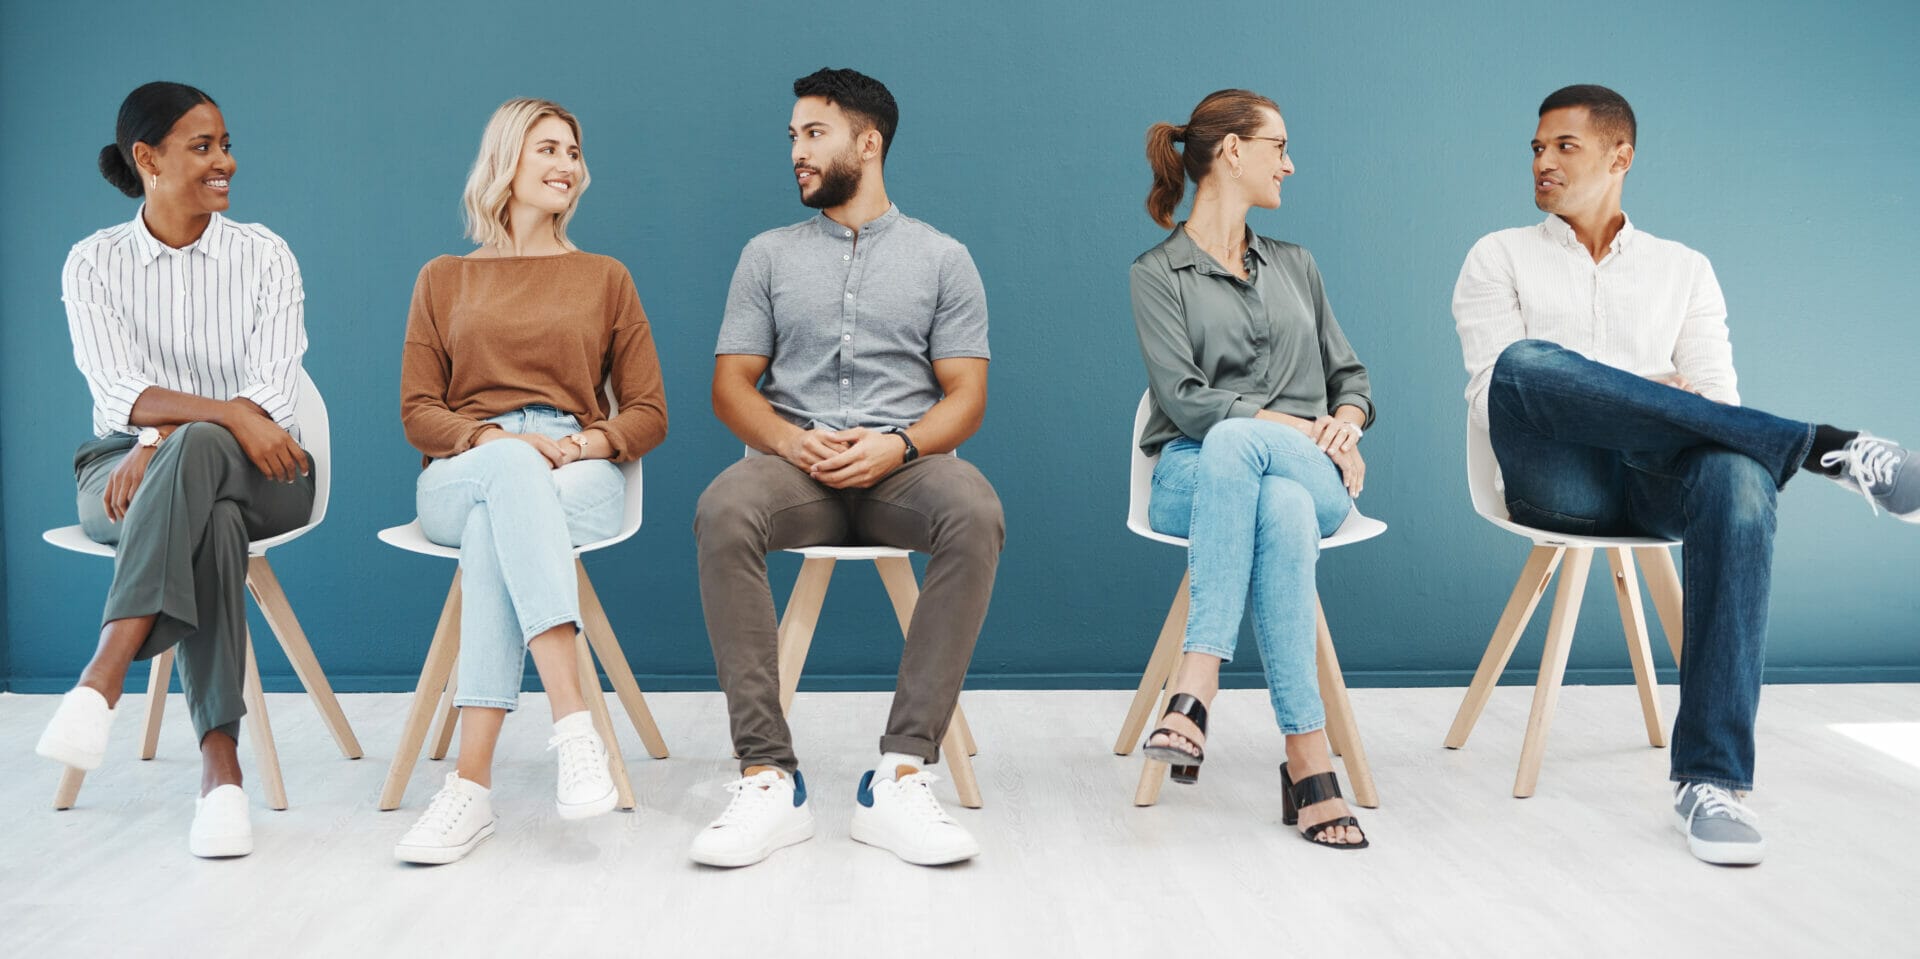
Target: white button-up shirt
{"points": [[1650, 306], [220, 318]]}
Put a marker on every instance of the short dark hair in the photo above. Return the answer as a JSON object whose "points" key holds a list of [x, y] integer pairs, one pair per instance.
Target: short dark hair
{"points": [[1608, 110], [865, 100], [147, 115]]}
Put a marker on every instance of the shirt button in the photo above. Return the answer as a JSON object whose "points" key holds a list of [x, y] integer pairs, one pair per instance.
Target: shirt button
{"points": [[846, 337], [846, 382], [846, 256], [848, 233], [849, 296]]}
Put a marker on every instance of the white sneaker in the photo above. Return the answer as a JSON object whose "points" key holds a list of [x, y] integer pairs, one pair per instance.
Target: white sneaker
{"points": [[903, 817], [768, 811], [221, 824], [77, 734], [1720, 829], [459, 818], [586, 787]]}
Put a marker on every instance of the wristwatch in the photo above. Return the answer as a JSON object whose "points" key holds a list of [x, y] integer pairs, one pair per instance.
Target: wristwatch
{"points": [[149, 437], [913, 452]]}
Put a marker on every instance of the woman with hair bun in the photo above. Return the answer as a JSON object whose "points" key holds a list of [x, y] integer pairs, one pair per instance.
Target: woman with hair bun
{"points": [[506, 351], [1257, 408], [188, 328]]}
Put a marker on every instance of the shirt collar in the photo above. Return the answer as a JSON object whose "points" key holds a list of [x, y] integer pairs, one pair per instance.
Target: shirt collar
{"points": [[878, 224], [150, 248], [1561, 232], [1182, 252]]}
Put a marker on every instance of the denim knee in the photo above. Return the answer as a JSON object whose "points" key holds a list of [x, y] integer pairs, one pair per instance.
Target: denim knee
{"points": [[1287, 517], [1733, 486]]}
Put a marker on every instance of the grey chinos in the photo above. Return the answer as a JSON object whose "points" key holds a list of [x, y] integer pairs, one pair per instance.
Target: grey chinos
{"points": [[181, 553], [940, 505]]}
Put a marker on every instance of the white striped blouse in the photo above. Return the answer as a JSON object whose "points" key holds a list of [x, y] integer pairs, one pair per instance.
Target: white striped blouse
{"points": [[220, 318]]}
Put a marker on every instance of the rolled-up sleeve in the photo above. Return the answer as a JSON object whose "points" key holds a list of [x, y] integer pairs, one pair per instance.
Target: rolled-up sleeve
{"points": [[277, 338], [1486, 313], [116, 375], [1347, 381], [1703, 353], [1179, 386]]}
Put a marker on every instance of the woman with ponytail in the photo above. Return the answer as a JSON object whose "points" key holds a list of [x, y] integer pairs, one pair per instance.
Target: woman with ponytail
{"points": [[1258, 404], [188, 329]]}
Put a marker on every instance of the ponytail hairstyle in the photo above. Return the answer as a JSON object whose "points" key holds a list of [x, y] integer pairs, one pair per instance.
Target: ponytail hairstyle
{"points": [[147, 115], [1240, 112], [490, 183]]}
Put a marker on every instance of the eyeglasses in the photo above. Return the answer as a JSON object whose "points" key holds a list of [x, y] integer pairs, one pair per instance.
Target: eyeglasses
{"points": [[1282, 141]]}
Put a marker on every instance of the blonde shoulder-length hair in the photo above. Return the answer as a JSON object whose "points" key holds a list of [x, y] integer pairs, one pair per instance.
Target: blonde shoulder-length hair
{"points": [[490, 184]]}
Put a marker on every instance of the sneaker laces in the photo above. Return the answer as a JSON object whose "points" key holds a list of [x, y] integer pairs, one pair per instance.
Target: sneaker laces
{"points": [[581, 757], [1716, 801], [916, 794], [444, 810], [1869, 461], [750, 795]]}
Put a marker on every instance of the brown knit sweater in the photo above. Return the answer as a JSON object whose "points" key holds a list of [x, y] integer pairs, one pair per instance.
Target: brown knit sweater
{"points": [[489, 336]]}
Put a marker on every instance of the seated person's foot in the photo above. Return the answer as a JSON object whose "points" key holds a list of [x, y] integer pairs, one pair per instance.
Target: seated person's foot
{"points": [[1881, 470], [897, 811], [1308, 761], [769, 810], [459, 817], [585, 786], [77, 734], [1178, 732], [1720, 829], [222, 827]]}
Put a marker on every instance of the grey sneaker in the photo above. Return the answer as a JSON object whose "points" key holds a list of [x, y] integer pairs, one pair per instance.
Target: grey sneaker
{"points": [[1877, 469], [1719, 828]]}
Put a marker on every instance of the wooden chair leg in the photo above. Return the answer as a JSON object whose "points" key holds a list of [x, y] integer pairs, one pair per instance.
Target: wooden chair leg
{"points": [[265, 754], [966, 731], [69, 789], [1553, 667], [797, 623], [959, 762], [1160, 664], [434, 676], [278, 613], [1333, 693], [449, 718], [606, 645], [159, 676], [1153, 775], [1663, 584], [1513, 621], [1633, 621], [603, 721]]}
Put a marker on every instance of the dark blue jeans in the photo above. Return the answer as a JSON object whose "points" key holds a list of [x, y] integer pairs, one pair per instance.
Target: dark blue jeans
{"points": [[1587, 448]]}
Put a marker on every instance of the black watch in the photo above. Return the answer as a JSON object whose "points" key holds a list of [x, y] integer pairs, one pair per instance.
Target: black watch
{"points": [[913, 452]]}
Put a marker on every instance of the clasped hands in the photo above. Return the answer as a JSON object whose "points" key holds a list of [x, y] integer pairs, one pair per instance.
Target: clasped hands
{"points": [[844, 459], [558, 452]]}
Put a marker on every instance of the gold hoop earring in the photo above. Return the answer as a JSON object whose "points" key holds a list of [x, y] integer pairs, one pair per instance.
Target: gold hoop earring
{"points": [[154, 182], [1236, 173]]}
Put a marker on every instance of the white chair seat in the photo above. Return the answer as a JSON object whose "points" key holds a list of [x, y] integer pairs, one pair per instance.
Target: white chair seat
{"points": [[851, 552], [1355, 528]]}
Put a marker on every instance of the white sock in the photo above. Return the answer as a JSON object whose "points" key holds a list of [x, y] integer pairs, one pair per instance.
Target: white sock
{"points": [[890, 763]]}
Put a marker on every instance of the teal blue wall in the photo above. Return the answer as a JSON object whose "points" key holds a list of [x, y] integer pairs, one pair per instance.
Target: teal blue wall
{"points": [[1775, 137]]}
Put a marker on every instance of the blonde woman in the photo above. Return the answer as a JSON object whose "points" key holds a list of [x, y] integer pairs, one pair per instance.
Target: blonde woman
{"points": [[500, 387]]}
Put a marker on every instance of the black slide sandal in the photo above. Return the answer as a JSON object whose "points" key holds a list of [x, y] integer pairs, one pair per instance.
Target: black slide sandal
{"points": [[1186, 765], [1313, 789]]}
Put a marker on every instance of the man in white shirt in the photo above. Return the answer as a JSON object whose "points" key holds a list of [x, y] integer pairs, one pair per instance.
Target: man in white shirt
{"points": [[1598, 361]]}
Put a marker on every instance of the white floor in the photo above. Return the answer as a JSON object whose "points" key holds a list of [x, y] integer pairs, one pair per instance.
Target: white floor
{"points": [[1589, 866]]}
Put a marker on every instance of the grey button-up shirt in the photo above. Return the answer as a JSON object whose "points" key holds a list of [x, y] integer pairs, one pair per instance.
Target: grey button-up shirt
{"points": [[852, 324], [1218, 346]]}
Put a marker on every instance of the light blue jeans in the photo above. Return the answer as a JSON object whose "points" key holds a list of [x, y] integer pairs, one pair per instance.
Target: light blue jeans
{"points": [[1253, 500], [516, 520]]}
